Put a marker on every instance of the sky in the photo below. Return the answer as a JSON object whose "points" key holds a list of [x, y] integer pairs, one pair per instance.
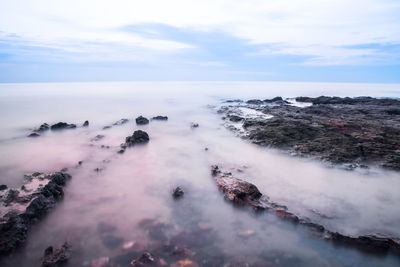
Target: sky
{"points": [[203, 40]]}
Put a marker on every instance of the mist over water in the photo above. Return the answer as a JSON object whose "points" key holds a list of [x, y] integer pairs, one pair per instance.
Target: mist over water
{"points": [[137, 185]]}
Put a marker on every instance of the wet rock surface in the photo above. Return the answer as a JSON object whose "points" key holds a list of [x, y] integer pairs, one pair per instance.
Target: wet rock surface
{"points": [[160, 118], [138, 137], [62, 126], [354, 132], [142, 120], [247, 194], [20, 208], [58, 257], [177, 192]]}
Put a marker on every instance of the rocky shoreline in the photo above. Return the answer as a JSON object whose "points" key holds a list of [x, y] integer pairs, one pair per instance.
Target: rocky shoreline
{"points": [[244, 193], [21, 208], [353, 132]]}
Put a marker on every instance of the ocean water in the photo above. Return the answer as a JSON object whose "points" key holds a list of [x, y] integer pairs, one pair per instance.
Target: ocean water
{"points": [[136, 186]]}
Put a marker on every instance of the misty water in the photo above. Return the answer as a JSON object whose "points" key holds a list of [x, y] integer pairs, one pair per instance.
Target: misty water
{"points": [[131, 188]]}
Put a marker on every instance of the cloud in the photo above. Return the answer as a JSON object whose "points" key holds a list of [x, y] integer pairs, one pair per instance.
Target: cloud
{"points": [[321, 32]]}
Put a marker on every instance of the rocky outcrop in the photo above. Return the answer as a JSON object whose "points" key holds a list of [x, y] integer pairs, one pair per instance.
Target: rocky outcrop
{"points": [[20, 208], [138, 137], [62, 126], [351, 132], [58, 257], [142, 120], [244, 193], [160, 118], [85, 124]]}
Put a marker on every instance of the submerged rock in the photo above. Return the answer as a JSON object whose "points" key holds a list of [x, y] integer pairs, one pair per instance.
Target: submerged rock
{"points": [[27, 205], [121, 121], [62, 126], [58, 257], [177, 192], [194, 125], [141, 120], [147, 259], [34, 135], [160, 118], [138, 137]]}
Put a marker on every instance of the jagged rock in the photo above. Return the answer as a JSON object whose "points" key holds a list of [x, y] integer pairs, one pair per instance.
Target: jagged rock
{"points": [[160, 118], [194, 125], [85, 124], [138, 137], [58, 257], [254, 102], [146, 259], [121, 121], [275, 99], [3, 187], [141, 120], [350, 132], [177, 192], [14, 224], [34, 135], [62, 125]]}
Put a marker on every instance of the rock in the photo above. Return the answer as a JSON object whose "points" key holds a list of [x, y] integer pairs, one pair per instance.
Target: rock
{"points": [[62, 126], [160, 118], [177, 192], [194, 125], [85, 124], [38, 200], [141, 120], [275, 99], [138, 137], [43, 127], [237, 190], [121, 121], [145, 260], [254, 102], [106, 127], [34, 135], [349, 132], [3, 187], [58, 257]]}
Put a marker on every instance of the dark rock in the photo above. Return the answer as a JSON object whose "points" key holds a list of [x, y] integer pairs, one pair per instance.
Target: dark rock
{"points": [[97, 137], [145, 260], [351, 132], [80, 162], [138, 137], [237, 190], [275, 99], [62, 125], [235, 118], [3, 187], [121, 121], [177, 192], [121, 151], [43, 127], [254, 101], [106, 127], [34, 135], [85, 124], [58, 257], [160, 118], [393, 111], [14, 225], [194, 125], [141, 120]]}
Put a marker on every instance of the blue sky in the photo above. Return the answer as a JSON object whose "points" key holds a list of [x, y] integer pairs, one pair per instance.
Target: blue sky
{"points": [[129, 40]]}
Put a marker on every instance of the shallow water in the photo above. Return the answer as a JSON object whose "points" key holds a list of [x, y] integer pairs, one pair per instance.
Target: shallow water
{"points": [[137, 185]]}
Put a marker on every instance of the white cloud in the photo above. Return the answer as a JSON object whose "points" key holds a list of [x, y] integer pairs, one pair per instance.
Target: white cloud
{"points": [[316, 28]]}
